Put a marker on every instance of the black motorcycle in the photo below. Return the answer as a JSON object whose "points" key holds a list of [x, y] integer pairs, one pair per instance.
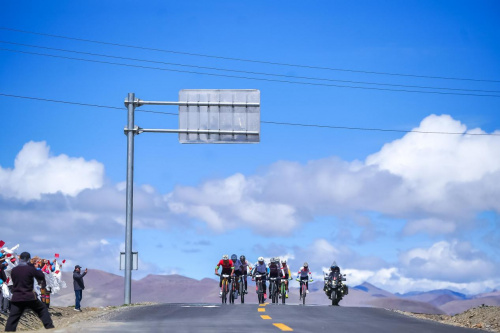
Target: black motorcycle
{"points": [[335, 288]]}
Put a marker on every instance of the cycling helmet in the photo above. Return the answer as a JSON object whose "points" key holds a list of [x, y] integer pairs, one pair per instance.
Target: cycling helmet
{"points": [[242, 258], [306, 265], [261, 260], [283, 261], [234, 257], [225, 257]]}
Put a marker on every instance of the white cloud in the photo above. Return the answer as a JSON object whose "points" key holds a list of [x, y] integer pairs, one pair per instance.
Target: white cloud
{"points": [[430, 162], [435, 181], [448, 261], [444, 265], [392, 280], [231, 203], [36, 172]]}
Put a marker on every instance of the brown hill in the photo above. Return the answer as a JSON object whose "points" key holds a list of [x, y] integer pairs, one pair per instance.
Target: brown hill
{"points": [[459, 306]]}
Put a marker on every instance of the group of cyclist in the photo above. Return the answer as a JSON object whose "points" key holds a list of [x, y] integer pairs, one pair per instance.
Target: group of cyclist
{"points": [[275, 269]]}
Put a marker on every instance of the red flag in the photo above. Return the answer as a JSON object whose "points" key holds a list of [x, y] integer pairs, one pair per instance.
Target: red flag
{"points": [[64, 261], [2, 243], [57, 255]]}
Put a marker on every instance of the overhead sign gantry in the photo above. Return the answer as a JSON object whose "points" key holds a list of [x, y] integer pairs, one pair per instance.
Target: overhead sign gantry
{"points": [[205, 116]]}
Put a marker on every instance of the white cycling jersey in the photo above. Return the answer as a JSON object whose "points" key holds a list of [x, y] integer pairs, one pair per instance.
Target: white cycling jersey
{"points": [[304, 272]]}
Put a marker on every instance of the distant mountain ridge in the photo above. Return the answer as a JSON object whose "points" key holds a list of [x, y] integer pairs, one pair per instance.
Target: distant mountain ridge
{"points": [[436, 291], [104, 289]]}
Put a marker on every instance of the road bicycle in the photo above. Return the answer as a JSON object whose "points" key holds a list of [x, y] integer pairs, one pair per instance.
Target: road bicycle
{"points": [[303, 290], [235, 288], [273, 289], [241, 288], [283, 290], [260, 287], [225, 287]]}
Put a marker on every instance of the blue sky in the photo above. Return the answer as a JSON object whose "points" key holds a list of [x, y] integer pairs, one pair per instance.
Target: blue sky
{"points": [[404, 211]]}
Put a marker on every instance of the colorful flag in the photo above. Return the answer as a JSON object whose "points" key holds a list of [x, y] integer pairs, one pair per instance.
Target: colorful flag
{"points": [[57, 255], [2, 243]]}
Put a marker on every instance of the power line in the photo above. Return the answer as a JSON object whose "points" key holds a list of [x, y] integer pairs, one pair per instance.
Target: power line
{"points": [[246, 72], [262, 121], [246, 60], [251, 78], [82, 104]]}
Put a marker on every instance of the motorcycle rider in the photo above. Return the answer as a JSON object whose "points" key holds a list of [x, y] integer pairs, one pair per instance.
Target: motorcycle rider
{"points": [[245, 265], [275, 270], [304, 274], [261, 268], [285, 274], [334, 274], [227, 268]]}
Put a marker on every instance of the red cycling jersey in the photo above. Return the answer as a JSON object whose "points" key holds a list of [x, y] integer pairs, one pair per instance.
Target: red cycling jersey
{"points": [[228, 265]]}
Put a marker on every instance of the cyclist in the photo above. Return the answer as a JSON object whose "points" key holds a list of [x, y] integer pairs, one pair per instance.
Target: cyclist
{"points": [[274, 270], [285, 274], [245, 265], [227, 268], [237, 267], [304, 274], [261, 268]]}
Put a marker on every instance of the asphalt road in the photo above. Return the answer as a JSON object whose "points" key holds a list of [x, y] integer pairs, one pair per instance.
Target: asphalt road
{"points": [[259, 318]]}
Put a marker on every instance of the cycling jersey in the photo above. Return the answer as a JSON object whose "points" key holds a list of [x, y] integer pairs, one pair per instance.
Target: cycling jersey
{"points": [[274, 270], [260, 268], [304, 273], [237, 265], [228, 265], [244, 267], [285, 272]]}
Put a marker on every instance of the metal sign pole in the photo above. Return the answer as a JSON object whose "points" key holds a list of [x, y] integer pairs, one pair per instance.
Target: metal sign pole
{"points": [[130, 131]]}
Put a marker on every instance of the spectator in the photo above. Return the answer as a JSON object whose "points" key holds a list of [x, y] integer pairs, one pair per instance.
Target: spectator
{"points": [[78, 286], [4, 300], [23, 298]]}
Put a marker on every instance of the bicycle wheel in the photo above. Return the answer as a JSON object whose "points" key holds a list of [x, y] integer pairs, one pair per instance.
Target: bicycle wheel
{"points": [[304, 293], [224, 292], [260, 293], [231, 293], [242, 292], [283, 293]]}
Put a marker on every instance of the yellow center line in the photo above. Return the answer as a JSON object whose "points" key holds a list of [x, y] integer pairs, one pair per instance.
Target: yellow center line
{"points": [[265, 317], [283, 327], [261, 309], [263, 304]]}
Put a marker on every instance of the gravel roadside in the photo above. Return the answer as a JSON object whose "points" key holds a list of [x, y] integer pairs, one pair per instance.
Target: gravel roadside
{"points": [[66, 316], [483, 318]]}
